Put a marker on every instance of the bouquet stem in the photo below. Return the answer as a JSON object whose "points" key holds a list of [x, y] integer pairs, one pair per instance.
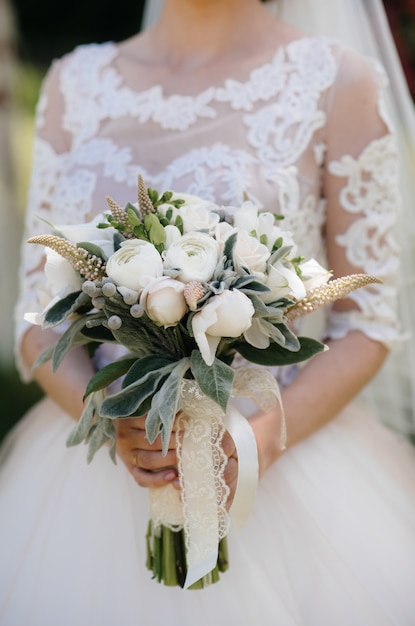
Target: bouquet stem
{"points": [[166, 557]]}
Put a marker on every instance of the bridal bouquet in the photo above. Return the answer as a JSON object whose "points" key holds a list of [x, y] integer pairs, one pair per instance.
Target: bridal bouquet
{"points": [[184, 285]]}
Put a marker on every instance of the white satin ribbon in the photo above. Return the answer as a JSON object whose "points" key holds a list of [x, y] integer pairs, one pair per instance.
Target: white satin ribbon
{"points": [[246, 449]]}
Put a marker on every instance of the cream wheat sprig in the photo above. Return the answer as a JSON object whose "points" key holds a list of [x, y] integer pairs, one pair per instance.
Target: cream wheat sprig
{"points": [[88, 265], [144, 200], [120, 216], [329, 292]]}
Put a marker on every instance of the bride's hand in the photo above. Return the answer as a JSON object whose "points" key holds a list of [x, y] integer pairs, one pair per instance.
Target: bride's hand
{"points": [[150, 468], [144, 460]]}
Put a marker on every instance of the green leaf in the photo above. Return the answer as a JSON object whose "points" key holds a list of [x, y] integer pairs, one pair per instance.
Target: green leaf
{"points": [[125, 402], [71, 337], [63, 308], [144, 366], [92, 249], [215, 380], [133, 215], [140, 232], [98, 333], [106, 375], [98, 438], [261, 309], [156, 232], [44, 357], [229, 246], [164, 406], [277, 355], [81, 431]]}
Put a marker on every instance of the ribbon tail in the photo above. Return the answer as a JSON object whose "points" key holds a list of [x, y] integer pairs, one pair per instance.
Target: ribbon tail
{"points": [[201, 569], [248, 469]]}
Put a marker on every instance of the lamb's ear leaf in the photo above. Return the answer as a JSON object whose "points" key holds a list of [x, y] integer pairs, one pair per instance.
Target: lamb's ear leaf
{"points": [[44, 357], [63, 308], [278, 355], [164, 406], [106, 375], [215, 380]]}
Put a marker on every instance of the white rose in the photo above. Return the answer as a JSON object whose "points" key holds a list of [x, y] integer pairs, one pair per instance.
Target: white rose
{"points": [[246, 217], [163, 301], [102, 237], [313, 274], [195, 256], [249, 252], [199, 217], [188, 198], [228, 314], [134, 264], [222, 231], [283, 281]]}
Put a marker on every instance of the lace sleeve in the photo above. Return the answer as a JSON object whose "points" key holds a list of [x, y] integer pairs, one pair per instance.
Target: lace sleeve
{"points": [[363, 197], [50, 148]]}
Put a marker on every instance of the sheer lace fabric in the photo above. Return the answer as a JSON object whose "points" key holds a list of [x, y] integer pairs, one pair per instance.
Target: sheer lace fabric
{"points": [[276, 133]]}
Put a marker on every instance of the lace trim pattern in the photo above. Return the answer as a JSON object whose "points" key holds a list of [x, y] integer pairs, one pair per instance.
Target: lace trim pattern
{"points": [[201, 463], [371, 192], [285, 76]]}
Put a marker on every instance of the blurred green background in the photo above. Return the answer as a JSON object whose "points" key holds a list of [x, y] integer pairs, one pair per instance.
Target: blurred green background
{"points": [[28, 44]]}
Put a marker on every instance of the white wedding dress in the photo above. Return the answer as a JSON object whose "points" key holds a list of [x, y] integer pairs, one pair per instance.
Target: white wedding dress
{"points": [[331, 538]]}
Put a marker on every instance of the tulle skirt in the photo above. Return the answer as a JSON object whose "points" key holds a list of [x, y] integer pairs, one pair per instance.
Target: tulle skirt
{"points": [[330, 541]]}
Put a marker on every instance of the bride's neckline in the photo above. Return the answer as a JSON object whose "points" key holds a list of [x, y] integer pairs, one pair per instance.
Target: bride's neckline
{"points": [[241, 79]]}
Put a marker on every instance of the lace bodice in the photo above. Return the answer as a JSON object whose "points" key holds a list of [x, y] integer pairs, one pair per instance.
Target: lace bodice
{"points": [[303, 135]]}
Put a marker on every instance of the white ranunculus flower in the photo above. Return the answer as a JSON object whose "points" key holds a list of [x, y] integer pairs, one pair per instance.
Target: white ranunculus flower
{"points": [[163, 301], [134, 264], [313, 274], [102, 237], [195, 256], [283, 282], [199, 217], [228, 314]]}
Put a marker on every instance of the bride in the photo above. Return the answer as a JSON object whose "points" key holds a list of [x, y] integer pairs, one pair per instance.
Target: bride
{"points": [[219, 99]]}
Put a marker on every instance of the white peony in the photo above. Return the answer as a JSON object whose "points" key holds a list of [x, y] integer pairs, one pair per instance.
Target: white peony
{"points": [[61, 277], [195, 256], [229, 314], [134, 264], [163, 301]]}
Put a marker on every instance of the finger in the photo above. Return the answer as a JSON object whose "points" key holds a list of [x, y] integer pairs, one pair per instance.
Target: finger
{"points": [[228, 445], [153, 479], [232, 487], [153, 461], [137, 438], [231, 471]]}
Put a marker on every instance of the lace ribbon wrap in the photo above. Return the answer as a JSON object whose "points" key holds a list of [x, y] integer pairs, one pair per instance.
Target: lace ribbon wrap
{"points": [[200, 506]]}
